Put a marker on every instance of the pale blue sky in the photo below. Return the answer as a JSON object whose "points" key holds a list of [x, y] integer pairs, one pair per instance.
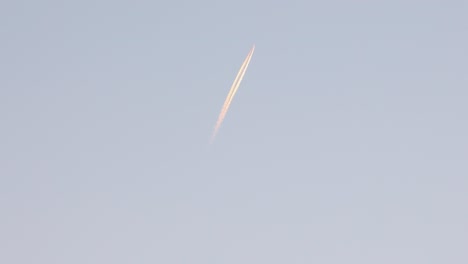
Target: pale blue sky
{"points": [[346, 143]]}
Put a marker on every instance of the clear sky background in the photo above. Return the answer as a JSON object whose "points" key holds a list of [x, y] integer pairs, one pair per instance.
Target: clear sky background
{"points": [[346, 143]]}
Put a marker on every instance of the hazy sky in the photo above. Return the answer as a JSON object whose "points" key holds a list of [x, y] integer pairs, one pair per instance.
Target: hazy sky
{"points": [[346, 142]]}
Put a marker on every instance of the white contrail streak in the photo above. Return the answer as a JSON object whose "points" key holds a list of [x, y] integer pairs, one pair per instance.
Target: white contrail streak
{"points": [[232, 92]]}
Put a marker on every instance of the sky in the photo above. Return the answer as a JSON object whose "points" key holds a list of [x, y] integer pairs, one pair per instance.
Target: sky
{"points": [[346, 141]]}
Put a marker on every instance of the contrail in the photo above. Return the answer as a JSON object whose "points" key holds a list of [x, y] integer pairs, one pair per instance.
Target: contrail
{"points": [[232, 92], [234, 88]]}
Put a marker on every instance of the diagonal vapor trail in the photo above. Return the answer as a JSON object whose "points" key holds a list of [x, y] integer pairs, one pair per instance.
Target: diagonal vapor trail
{"points": [[232, 92]]}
